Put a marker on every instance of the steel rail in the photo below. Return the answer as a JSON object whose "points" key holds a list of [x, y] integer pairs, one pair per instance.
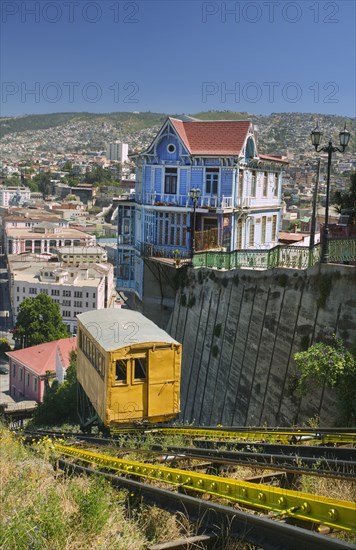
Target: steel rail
{"points": [[284, 503], [286, 435], [259, 435], [300, 464], [296, 464], [222, 520], [303, 451], [314, 451]]}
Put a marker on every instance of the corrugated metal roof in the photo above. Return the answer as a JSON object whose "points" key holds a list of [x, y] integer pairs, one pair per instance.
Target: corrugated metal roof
{"points": [[115, 328]]}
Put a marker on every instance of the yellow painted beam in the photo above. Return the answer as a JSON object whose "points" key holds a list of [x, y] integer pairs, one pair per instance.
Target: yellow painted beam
{"points": [[337, 514]]}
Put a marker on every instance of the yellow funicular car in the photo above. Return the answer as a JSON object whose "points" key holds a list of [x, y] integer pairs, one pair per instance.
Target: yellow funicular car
{"points": [[128, 369]]}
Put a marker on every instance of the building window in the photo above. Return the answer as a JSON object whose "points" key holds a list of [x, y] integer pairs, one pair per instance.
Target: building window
{"points": [[239, 235], [274, 228], [27, 379], [54, 292], [67, 293], [121, 371], [78, 294], [253, 183], [140, 369], [275, 190], [241, 182], [170, 181], [32, 290], [263, 229], [66, 314], [211, 181], [251, 241], [265, 184], [21, 374], [77, 304], [171, 148], [171, 228], [34, 383], [66, 303], [14, 370]]}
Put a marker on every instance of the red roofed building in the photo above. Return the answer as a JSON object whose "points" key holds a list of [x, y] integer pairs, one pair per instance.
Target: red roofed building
{"points": [[29, 367], [199, 185]]}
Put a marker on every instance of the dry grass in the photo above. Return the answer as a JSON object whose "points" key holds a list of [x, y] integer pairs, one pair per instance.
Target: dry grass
{"points": [[42, 509]]}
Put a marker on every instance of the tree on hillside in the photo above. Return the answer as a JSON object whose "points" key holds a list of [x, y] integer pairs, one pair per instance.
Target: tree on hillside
{"points": [[346, 199], [43, 182], [60, 400], [39, 320]]}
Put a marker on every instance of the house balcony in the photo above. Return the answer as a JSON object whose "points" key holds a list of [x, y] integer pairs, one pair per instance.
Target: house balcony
{"points": [[170, 254], [126, 240], [184, 201]]}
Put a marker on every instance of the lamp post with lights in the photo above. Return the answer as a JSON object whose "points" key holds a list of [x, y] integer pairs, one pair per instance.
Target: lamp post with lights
{"points": [[344, 137], [194, 194]]}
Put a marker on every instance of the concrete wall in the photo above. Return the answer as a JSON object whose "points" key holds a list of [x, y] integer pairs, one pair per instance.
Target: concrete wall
{"points": [[239, 331]]}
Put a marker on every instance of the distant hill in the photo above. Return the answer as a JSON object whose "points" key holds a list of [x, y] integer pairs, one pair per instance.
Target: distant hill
{"points": [[31, 135]]}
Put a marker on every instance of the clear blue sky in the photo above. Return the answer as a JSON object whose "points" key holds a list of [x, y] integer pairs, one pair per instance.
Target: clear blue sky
{"points": [[178, 56]]}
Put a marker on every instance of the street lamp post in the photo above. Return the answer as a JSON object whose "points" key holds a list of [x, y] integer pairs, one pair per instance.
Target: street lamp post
{"points": [[194, 194], [344, 137]]}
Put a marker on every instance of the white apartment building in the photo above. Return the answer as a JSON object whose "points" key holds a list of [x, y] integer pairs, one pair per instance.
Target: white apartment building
{"points": [[82, 254], [45, 237], [74, 289], [117, 151], [8, 193]]}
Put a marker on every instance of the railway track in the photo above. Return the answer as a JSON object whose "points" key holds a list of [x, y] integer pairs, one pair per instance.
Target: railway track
{"points": [[336, 462], [283, 505]]}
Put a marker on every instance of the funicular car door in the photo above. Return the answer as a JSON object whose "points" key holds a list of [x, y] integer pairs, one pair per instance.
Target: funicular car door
{"points": [[129, 397], [161, 381]]}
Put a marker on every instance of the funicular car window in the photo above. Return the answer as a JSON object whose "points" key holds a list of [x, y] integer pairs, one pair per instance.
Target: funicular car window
{"points": [[121, 371], [140, 368]]}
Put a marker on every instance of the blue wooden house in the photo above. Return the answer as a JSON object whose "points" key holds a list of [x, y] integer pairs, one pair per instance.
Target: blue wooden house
{"points": [[199, 185]]}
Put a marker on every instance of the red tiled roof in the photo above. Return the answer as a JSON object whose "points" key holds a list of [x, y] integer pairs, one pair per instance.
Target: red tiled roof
{"points": [[215, 137], [42, 358], [273, 158], [290, 237]]}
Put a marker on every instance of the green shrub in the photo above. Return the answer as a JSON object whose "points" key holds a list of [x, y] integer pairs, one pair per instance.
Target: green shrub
{"points": [[333, 365]]}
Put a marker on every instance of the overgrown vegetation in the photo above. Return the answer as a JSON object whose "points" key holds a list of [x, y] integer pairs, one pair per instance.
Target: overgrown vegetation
{"points": [[332, 364], [60, 400], [43, 509]]}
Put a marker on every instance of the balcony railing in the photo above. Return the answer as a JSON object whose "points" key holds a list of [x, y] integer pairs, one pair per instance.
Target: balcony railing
{"points": [[204, 201], [148, 250], [296, 257]]}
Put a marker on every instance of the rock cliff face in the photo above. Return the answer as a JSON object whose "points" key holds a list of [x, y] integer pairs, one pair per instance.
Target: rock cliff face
{"points": [[240, 330]]}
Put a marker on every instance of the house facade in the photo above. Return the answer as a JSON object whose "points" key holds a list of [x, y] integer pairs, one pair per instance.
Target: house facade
{"points": [[29, 367], [201, 179]]}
